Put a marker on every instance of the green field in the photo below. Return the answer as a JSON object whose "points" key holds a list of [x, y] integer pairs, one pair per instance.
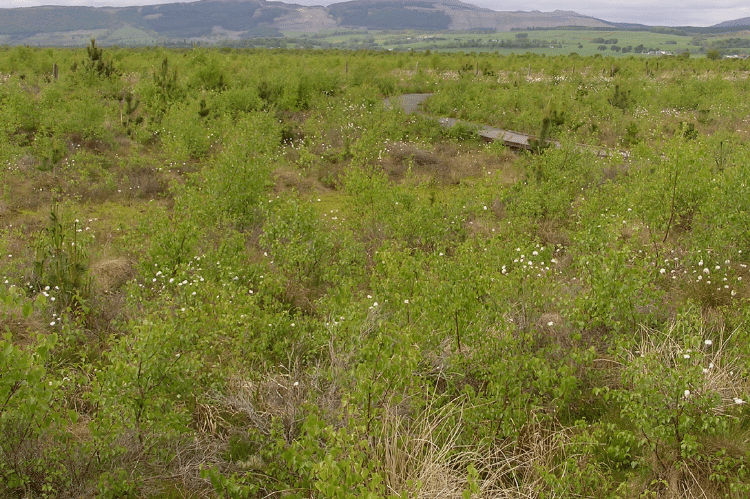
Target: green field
{"points": [[238, 273], [547, 42]]}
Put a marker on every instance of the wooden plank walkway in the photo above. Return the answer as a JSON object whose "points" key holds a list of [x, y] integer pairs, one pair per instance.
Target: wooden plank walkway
{"points": [[411, 103]]}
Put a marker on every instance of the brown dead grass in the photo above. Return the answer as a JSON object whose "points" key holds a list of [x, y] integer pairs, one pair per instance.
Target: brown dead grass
{"points": [[110, 275], [286, 180], [22, 329], [424, 449], [445, 163]]}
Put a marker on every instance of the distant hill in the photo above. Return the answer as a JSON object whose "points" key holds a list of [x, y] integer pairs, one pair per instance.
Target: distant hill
{"points": [[215, 20], [745, 21], [448, 15], [212, 21]]}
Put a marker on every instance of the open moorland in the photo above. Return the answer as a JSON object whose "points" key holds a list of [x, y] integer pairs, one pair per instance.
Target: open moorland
{"points": [[230, 273]]}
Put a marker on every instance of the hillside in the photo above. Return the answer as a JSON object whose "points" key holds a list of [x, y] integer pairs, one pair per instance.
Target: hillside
{"points": [[745, 21], [211, 20]]}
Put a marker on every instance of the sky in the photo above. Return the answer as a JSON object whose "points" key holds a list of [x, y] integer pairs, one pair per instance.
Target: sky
{"points": [[652, 13]]}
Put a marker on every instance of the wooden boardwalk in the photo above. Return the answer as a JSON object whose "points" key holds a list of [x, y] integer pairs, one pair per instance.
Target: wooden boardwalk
{"points": [[411, 103]]}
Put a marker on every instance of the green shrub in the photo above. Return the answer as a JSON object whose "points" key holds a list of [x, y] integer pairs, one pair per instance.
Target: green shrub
{"points": [[61, 266]]}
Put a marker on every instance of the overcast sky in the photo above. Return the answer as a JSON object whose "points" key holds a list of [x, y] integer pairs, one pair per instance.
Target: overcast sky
{"points": [[653, 13]]}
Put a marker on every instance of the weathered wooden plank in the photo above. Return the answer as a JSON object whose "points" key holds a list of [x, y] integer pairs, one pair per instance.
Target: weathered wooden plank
{"points": [[411, 103]]}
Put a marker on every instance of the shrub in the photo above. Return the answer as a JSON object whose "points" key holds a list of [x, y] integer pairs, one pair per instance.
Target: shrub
{"points": [[61, 266], [679, 397]]}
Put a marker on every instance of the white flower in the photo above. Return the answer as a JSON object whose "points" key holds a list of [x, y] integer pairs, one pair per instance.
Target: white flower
{"points": [[406, 301], [706, 271], [687, 393], [296, 383], [686, 356], [52, 323], [550, 323], [708, 343], [738, 401], [375, 304], [662, 271]]}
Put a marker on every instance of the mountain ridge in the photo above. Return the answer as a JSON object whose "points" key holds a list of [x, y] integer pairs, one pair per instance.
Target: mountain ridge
{"points": [[202, 21]]}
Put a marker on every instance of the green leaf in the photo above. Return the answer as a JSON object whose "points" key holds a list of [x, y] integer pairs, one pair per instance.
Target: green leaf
{"points": [[26, 309]]}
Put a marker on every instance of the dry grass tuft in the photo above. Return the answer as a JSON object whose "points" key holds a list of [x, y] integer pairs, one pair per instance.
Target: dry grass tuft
{"points": [[722, 374], [423, 449], [111, 274], [446, 163], [182, 474], [407, 159], [22, 329], [109, 277], [419, 451], [278, 397], [551, 233], [286, 180]]}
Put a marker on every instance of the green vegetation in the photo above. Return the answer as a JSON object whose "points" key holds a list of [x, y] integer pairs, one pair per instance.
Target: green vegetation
{"points": [[240, 273], [559, 41]]}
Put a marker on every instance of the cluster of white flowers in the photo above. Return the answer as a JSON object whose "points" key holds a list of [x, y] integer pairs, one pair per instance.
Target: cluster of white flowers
{"points": [[705, 272], [532, 267]]}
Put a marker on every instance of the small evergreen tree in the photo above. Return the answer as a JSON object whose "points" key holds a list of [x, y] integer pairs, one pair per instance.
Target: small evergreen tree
{"points": [[96, 64]]}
